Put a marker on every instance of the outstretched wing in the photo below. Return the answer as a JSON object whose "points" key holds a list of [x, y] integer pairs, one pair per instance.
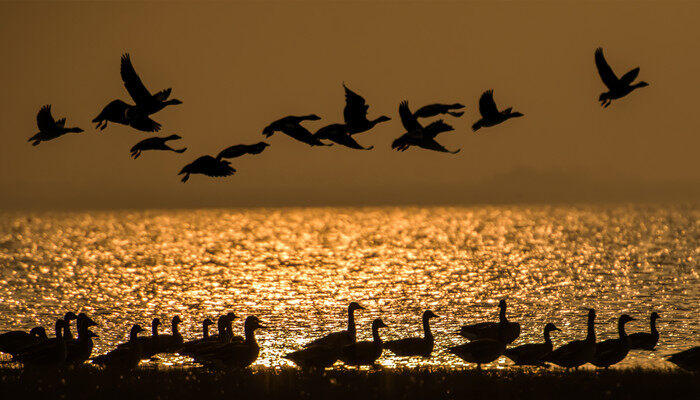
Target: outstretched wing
{"points": [[436, 128], [163, 94], [629, 77], [408, 120], [218, 168], [132, 82], [61, 122], [606, 73], [144, 124], [44, 119], [355, 107], [487, 106], [431, 144], [347, 141]]}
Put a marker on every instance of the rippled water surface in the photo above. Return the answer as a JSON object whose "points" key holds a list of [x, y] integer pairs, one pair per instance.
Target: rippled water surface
{"points": [[297, 269]]}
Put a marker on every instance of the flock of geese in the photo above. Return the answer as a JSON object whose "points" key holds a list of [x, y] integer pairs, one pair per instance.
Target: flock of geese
{"points": [[224, 350], [355, 121]]}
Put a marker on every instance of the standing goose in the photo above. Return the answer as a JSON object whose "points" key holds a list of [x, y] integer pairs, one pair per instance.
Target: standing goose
{"points": [[532, 353], [155, 143], [236, 355], [490, 115], [644, 340], [49, 128], [291, 126], [207, 165], [242, 149], [482, 351], [415, 346], [170, 343], [432, 110], [80, 349], [492, 330], [365, 352], [148, 345], [617, 88], [52, 355], [126, 356], [355, 114], [417, 135], [578, 352], [612, 351], [122, 113], [145, 101], [14, 341], [687, 359], [339, 133], [191, 345], [342, 338]]}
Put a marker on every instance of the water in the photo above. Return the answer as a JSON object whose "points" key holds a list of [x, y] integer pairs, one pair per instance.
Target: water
{"points": [[297, 269]]}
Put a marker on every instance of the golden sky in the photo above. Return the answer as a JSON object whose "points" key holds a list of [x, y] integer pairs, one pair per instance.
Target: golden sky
{"points": [[239, 65]]}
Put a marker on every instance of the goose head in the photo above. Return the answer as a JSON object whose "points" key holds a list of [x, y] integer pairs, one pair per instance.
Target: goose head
{"points": [[262, 144], [208, 322], [87, 321], [38, 331], [640, 84], [383, 118], [135, 330], [91, 334], [378, 323], [515, 114], [312, 117], [59, 327], [355, 306], [655, 316], [604, 97], [624, 318], [429, 314], [70, 316], [253, 323], [230, 316], [173, 102], [458, 105], [550, 327], [176, 320]]}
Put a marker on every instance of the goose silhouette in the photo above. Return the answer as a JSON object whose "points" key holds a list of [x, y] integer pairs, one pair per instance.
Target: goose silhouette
{"points": [[612, 351], [577, 352], [209, 166], [342, 338], [241, 150], [52, 353], [236, 355], [291, 126], [13, 342], [339, 133], [355, 114], [365, 352], [145, 101], [49, 128], [155, 143], [646, 340], [122, 113], [687, 359], [126, 356], [80, 349], [415, 346], [417, 135], [532, 353], [432, 110], [617, 87], [490, 115], [493, 330]]}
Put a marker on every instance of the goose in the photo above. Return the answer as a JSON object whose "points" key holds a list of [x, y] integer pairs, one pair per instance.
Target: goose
{"points": [[80, 349], [490, 115], [432, 110], [67, 318], [617, 87], [14, 341], [365, 352], [492, 330], [148, 345], [242, 149], [417, 135], [52, 355], [481, 351], [342, 338], [49, 128], [122, 113], [191, 345], [687, 359], [291, 126], [314, 357], [214, 342], [355, 114], [155, 143], [339, 133], [235, 355], [124, 357], [612, 351], [415, 346], [532, 353], [50, 343], [644, 340], [207, 165], [577, 352], [170, 343], [145, 101]]}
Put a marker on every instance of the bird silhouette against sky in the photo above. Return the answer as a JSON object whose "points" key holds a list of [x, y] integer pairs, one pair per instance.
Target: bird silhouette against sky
{"points": [[355, 113], [291, 126], [49, 128], [490, 115], [209, 166], [617, 87], [417, 135], [339, 133], [241, 150], [145, 101], [433, 110], [155, 143]]}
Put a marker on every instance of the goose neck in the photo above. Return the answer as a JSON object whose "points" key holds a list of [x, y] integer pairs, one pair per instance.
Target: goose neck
{"points": [[590, 336], [426, 328]]}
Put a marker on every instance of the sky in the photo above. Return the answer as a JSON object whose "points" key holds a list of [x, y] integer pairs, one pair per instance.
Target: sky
{"points": [[237, 66]]}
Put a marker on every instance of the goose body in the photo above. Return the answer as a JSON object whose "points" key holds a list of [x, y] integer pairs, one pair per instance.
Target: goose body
{"points": [[242, 149], [342, 338], [577, 352], [612, 351], [191, 345], [65, 336], [80, 349], [415, 346], [355, 114], [646, 340], [51, 355], [213, 342], [687, 359], [479, 351], [365, 352], [235, 355], [49, 128], [122, 113], [209, 166], [126, 356], [532, 353], [148, 345], [492, 330], [291, 126], [617, 87], [155, 143], [417, 135], [432, 110], [170, 343], [339, 133], [490, 115], [14, 341], [146, 102], [315, 357]]}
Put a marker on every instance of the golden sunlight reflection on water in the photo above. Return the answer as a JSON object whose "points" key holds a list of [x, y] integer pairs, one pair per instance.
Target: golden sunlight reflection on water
{"points": [[297, 269]]}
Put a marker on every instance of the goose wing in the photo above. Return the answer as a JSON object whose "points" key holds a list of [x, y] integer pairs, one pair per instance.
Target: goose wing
{"points": [[408, 120], [335, 339], [144, 124], [431, 144], [629, 77], [355, 107], [487, 106], [132, 82], [210, 166], [606, 73], [406, 347], [436, 128], [44, 119]]}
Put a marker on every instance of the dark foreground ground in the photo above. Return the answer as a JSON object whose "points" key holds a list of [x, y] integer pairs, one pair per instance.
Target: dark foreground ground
{"points": [[175, 383]]}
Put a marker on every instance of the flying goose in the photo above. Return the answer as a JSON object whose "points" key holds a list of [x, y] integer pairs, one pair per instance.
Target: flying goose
{"points": [[364, 352], [532, 353], [342, 338], [646, 340], [432, 110], [126, 356], [291, 126], [492, 330], [417, 135], [355, 114], [617, 87], [339, 133], [13, 342], [242, 149], [577, 352], [482, 351], [52, 355], [490, 115], [155, 143], [145, 101], [80, 349], [207, 165], [235, 355], [415, 346], [122, 113], [49, 128], [612, 351], [687, 359]]}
